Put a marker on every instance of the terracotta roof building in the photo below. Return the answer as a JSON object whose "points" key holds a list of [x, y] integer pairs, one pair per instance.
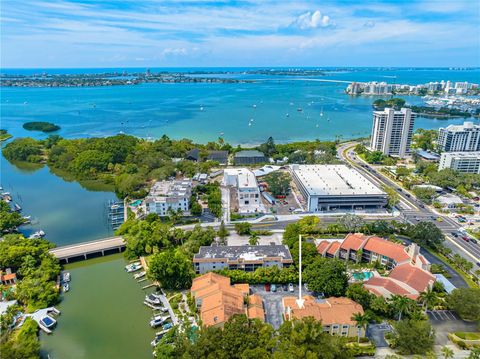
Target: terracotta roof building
{"points": [[334, 313], [217, 300], [360, 248], [409, 274], [7, 277]]}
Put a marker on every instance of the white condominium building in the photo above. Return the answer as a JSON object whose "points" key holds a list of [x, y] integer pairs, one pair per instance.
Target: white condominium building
{"points": [[459, 138], [466, 162], [392, 131], [247, 191], [165, 195]]}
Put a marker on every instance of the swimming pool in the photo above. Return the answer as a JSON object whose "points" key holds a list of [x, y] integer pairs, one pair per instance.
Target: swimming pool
{"points": [[362, 276]]}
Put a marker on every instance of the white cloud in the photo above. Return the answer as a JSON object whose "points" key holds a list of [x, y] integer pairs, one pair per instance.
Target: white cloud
{"points": [[369, 23], [311, 20], [174, 51]]}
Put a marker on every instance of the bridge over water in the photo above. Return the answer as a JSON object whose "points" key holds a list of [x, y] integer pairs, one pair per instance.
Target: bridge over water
{"points": [[86, 250]]}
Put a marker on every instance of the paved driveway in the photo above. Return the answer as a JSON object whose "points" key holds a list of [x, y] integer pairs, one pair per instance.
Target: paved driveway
{"points": [[446, 321], [376, 332], [272, 302]]}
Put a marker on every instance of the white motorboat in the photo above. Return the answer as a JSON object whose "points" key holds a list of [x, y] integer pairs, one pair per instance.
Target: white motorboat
{"points": [[153, 299], [139, 275], [65, 287], [158, 320], [66, 277], [37, 234], [133, 267]]}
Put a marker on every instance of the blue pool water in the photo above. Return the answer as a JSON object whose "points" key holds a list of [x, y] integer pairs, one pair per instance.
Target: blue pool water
{"points": [[362, 276]]}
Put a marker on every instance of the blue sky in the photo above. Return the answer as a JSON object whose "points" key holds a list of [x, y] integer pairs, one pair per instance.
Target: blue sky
{"points": [[156, 33]]}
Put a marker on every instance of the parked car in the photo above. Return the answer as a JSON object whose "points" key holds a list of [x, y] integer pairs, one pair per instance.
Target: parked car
{"points": [[466, 239], [290, 287], [284, 287], [273, 288], [454, 234], [267, 287]]}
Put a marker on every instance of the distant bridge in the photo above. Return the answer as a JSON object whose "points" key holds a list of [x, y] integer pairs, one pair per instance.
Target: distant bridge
{"points": [[86, 250]]}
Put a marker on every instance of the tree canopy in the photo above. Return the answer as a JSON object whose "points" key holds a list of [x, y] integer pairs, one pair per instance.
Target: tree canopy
{"points": [[466, 302], [278, 183], [172, 268], [243, 338], [413, 336], [328, 276]]}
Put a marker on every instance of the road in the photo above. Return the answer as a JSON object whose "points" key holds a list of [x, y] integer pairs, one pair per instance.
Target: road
{"points": [[412, 209]]}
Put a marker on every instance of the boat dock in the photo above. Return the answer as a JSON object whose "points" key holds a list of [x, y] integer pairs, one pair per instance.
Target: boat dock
{"points": [[86, 250]]}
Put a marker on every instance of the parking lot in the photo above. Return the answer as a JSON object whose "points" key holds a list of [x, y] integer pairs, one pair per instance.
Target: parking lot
{"points": [[446, 321], [442, 315], [283, 205], [272, 302]]}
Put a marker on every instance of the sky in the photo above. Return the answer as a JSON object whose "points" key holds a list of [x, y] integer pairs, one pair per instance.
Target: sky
{"points": [[190, 33]]}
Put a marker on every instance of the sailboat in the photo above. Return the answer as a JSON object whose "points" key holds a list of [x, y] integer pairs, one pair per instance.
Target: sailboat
{"points": [[321, 112]]}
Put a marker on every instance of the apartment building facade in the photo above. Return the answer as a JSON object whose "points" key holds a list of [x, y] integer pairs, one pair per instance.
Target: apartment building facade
{"points": [[464, 162], [392, 131], [459, 138]]}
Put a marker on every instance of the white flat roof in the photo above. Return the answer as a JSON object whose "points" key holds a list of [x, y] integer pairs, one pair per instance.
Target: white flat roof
{"points": [[245, 177], [334, 180]]}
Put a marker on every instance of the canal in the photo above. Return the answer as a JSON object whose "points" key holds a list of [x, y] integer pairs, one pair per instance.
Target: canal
{"points": [[103, 315]]}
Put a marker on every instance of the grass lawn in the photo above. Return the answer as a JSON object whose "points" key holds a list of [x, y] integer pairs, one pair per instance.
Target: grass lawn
{"points": [[468, 335]]}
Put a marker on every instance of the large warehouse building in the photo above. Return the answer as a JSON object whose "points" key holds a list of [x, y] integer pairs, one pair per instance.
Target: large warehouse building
{"points": [[336, 187]]}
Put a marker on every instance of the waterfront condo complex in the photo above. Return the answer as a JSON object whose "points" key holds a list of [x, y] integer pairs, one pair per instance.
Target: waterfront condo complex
{"points": [[392, 131], [459, 138]]}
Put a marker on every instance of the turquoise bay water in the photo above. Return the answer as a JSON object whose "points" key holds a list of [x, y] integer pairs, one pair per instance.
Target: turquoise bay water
{"points": [[68, 213], [103, 315]]}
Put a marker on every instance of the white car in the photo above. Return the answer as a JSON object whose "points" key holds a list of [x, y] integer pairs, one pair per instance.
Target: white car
{"points": [[290, 288]]}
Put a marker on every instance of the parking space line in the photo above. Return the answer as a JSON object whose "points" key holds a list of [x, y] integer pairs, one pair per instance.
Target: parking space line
{"points": [[434, 315]]}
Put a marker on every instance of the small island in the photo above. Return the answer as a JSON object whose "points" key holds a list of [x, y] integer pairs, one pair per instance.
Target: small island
{"points": [[4, 135], [41, 126]]}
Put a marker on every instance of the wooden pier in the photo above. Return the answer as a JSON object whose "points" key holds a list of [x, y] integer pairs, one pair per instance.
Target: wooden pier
{"points": [[87, 250]]}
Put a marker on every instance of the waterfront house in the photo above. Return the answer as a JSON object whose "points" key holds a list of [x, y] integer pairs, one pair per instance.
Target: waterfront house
{"points": [[217, 300], [249, 157], [193, 155], [169, 195], [218, 156], [334, 313]]}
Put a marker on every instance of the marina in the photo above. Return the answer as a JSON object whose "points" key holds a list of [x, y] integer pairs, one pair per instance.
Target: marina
{"points": [[95, 312]]}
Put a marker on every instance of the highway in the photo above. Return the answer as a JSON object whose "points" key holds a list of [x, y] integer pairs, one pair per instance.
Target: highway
{"points": [[412, 209]]}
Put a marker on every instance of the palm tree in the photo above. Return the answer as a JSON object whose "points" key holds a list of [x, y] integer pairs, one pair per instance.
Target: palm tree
{"points": [[447, 352], [401, 304], [362, 322], [253, 240], [427, 298]]}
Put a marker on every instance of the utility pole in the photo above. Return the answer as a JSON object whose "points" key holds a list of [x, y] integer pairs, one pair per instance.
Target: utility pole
{"points": [[300, 300]]}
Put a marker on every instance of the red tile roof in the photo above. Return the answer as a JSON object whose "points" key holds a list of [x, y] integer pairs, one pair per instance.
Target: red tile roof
{"points": [[322, 246], [415, 277], [387, 248], [333, 248], [353, 241], [387, 284]]}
